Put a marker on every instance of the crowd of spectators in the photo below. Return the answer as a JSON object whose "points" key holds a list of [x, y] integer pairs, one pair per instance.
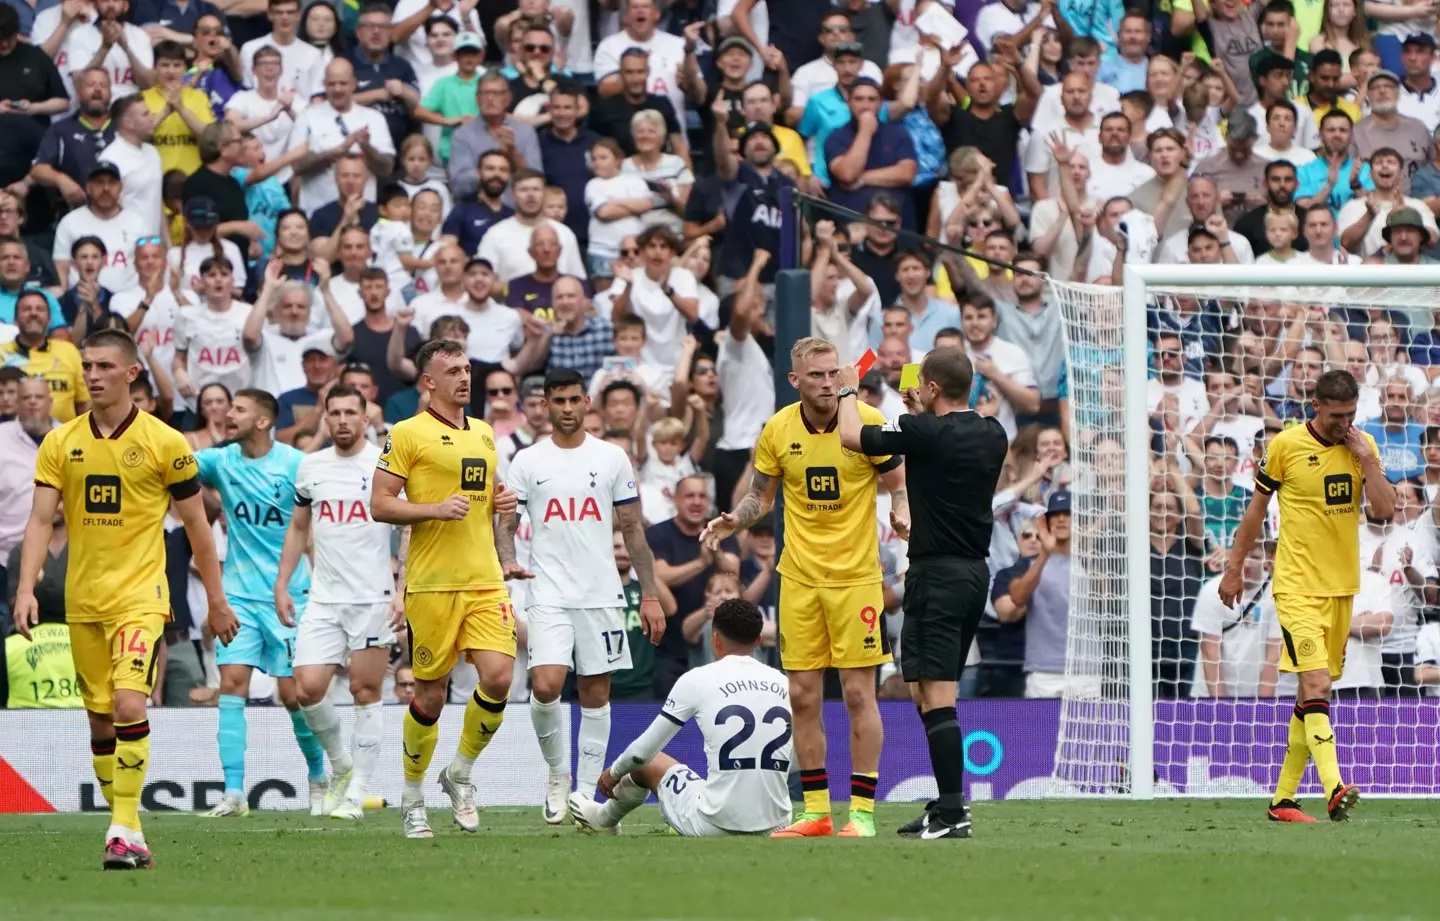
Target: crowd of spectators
{"points": [[291, 196]]}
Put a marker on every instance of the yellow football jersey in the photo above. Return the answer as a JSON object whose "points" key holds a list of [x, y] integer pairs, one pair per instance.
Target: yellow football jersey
{"points": [[59, 363], [1320, 485], [831, 536], [115, 492], [437, 460]]}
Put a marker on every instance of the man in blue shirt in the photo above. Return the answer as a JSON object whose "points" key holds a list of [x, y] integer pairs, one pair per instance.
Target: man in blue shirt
{"points": [[255, 477], [867, 156], [828, 110], [1395, 435], [469, 221], [72, 145], [1126, 67], [320, 367], [383, 81], [1333, 177], [171, 19], [565, 147]]}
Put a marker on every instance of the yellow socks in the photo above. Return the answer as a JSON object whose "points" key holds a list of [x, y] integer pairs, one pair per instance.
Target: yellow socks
{"points": [[132, 756], [817, 791], [102, 756], [1297, 756], [483, 717], [1320, 738], [418, 738], [862, 791]]}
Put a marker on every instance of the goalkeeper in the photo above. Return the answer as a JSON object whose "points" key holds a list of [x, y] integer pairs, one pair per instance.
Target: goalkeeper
{"points": [[1319, 471]]}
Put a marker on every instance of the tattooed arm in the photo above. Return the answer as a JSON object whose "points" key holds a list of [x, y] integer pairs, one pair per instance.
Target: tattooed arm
{"points": [[632, 529], [748, 510], [506, 524]]}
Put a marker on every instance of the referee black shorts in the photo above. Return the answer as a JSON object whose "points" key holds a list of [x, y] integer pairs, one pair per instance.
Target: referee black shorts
{"points": [[944, 601]]}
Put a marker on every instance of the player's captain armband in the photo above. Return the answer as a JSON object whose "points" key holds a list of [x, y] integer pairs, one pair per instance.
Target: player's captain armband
{"points": [[866, 362], [909, 377]]}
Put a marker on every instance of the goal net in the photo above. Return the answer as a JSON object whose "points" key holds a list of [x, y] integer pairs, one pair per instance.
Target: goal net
{"points": [[1175, 383]]}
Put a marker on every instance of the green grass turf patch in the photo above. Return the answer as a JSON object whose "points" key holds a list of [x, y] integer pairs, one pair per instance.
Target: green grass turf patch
{"points": [[1050, 860]]}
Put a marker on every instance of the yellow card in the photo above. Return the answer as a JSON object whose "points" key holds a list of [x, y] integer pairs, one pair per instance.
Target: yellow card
{"points": [[909, 377]]}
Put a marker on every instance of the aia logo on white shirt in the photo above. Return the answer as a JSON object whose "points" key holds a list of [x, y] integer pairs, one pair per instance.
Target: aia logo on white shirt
{"points": [[588, 509], [342, 511], [221, 356]]}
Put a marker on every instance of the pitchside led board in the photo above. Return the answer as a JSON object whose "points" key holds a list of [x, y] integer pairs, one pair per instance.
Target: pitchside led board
{"points": [[1009, 753]]}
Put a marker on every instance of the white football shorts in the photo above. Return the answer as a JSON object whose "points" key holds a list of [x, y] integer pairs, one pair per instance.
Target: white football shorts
{"points": [[328, 633], [679, 796], [592, 641]]}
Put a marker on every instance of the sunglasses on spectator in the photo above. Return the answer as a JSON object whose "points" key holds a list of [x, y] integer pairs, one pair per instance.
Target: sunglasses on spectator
{"points": [[143, 241], [1170, 353], [499, 391], [533, 48], [404, 684], [704, 369], [1028, 535], [632, 251]]}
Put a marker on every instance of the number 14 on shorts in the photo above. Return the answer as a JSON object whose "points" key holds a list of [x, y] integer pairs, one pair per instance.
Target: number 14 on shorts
{"points": [[131, 642]]}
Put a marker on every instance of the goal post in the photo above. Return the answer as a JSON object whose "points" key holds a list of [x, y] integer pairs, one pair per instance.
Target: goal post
{"points": [[1110, 742]]}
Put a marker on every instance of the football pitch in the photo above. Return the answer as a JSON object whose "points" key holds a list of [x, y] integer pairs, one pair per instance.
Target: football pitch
{"points": [[1051, 860]]}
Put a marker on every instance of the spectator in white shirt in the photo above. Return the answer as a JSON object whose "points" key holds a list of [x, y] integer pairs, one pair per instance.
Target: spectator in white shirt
{"points": [[141, 172], [277, 332], [208, 338], [819, 75], [105, 217], [297, 57], [832, 316], [1002, 371], [1280, 127], [335, 127], [1239, 646], [1077, 129], [1116, 173], [665, 296], [1374, 607], [448, 297], [506, 245]]}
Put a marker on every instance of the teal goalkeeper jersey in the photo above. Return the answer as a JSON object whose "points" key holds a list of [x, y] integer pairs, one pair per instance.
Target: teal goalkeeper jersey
{"points": [[258, 495]]}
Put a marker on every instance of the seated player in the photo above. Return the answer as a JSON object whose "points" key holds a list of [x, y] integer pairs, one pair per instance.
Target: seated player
{"points": [[743, 710]]}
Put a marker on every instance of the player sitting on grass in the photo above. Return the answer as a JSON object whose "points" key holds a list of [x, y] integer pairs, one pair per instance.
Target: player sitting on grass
{"points": [[743, 710]]}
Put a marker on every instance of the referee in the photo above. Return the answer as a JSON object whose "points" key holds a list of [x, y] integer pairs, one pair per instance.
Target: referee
{"points": [[953, 458]]}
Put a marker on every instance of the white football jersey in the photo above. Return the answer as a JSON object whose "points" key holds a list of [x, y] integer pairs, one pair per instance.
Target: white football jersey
{"points": [[571, 494], [743, 710], [352, 550]]}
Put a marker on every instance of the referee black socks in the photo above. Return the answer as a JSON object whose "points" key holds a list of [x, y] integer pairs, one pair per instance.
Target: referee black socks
{"points": [[947, 761]]}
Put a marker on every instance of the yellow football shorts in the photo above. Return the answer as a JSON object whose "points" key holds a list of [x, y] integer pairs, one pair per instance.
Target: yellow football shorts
{"points": [[837, 626], [443, 625], [113, 655], [1315, 629]]}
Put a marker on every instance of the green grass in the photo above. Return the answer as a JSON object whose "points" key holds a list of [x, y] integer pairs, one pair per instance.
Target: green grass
{"points": [[1051, 861]]}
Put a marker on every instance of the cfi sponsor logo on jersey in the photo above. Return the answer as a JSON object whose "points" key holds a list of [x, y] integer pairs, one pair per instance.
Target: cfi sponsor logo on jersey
{"points": [[587, 508], [342, 511]]}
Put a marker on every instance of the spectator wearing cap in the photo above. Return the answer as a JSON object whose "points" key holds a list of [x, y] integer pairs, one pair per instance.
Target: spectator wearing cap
{"points": [[816, 76], [752, 224], [1324, 95], [868, 156], [759, 103], [1385, 126], [383, 81], [1038, 592], [1361, 221], [1281, 181], [1239, 174], [70, 146], [201, 241], [277, 335], [1317, 186], [1405, 236], [220, 151], [1425, 184], [830, 109], [321, 369], [732, 65], [105, 217], [613, 114], [453, 99], [1419, 90], [139, 162], [1273, 77]]}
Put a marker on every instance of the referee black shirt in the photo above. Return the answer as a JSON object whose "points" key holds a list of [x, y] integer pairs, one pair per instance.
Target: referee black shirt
{"points": [[952, 463]]}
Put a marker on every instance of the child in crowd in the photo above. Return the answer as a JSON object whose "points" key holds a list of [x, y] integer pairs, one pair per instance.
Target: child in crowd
{"points": [[390, 238], [451, 102], [556, 205], [425, 239], [1281, 229], [629, 340], [417, 161], [663, 467]]}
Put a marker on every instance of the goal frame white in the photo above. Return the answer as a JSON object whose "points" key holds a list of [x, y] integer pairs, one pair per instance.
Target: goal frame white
{"points": [[1139, 279]]}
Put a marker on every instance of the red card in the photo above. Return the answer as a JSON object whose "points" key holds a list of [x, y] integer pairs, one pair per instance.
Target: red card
{"points": [[866, 362]]}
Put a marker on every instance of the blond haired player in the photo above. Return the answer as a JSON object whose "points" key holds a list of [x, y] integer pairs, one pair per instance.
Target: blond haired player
{"points": [[1319, 470], [456, 604], [831, 604], [116, 470]]}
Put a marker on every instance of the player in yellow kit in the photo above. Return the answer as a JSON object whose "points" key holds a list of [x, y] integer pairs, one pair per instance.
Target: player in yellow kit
{"points": [[831, 600], [116, 469], [1319, 470], [456, 604]]}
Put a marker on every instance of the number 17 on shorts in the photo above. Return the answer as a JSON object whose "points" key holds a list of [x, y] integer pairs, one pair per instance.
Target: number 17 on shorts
{"points": [[592, 641]]}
